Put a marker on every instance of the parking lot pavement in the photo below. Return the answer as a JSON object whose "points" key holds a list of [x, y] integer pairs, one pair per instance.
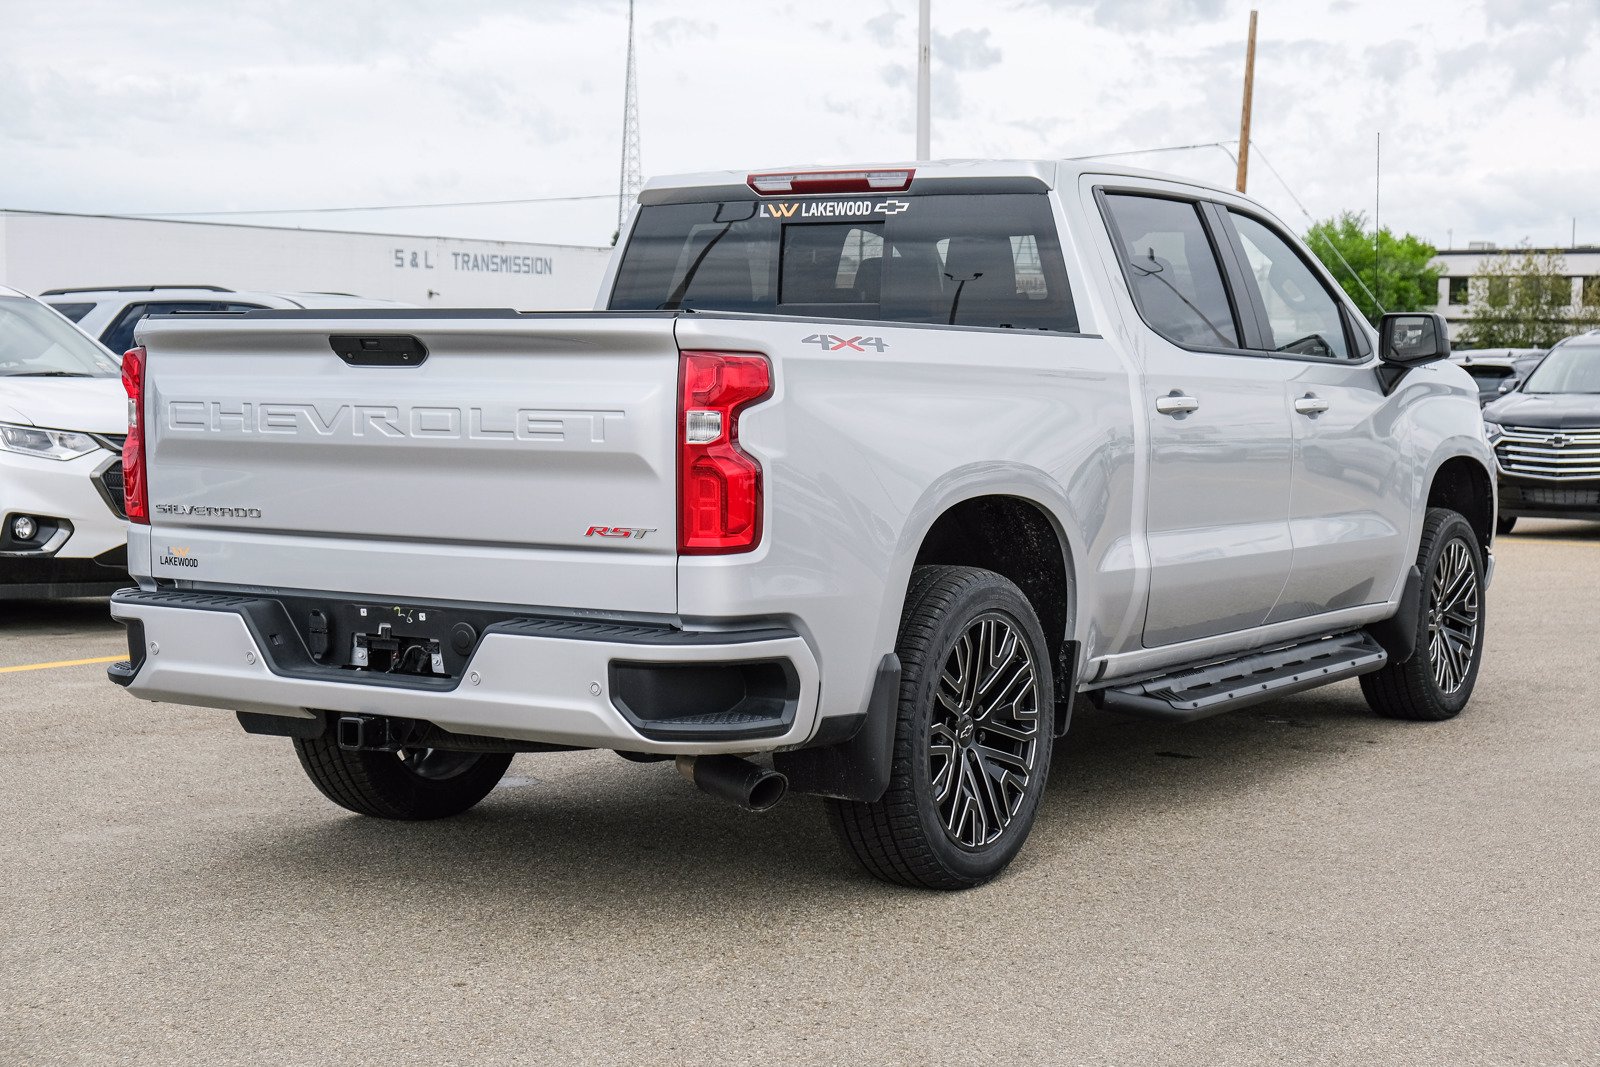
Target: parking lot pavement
{"points": [[1299, 882]]}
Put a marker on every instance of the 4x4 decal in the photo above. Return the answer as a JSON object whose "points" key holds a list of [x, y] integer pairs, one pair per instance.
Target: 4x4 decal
{"points": [[833, 343]]}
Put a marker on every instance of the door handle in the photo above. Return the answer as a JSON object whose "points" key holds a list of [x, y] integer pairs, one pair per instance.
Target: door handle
{"points": [[1177, 404], [1311, 404]]}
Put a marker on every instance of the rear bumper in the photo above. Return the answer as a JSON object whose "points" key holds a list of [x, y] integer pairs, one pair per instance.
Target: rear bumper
{"points": [[641, 688]]}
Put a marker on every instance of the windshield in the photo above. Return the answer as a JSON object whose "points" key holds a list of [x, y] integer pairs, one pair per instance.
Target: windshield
{"points": [[36, 342], [966, 259], [1569, 369]]}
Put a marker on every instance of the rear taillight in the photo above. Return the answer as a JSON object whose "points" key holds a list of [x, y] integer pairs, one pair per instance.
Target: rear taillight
{"points": [[135, 489], [719, 483]]}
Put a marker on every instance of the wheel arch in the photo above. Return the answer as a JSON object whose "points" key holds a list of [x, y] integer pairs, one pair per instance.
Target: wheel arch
{"points": [[1464, 485], [950, 525], [1016, 538]]}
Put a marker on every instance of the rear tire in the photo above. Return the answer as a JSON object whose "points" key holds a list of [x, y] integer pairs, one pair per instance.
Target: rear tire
{"points": [[413, 784], [1504, 524], [1436, 682], [972, 738]]}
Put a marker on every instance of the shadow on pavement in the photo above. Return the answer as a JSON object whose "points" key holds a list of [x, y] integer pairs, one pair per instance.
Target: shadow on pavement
{"points": [[56, 617], [1554, 530], [620, 837]]}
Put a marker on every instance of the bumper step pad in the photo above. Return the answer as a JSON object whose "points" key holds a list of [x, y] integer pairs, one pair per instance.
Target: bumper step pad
{"points": [[1194, 693]]}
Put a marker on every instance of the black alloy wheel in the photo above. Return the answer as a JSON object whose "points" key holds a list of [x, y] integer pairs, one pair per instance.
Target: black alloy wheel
{"points": [[1454, 612], [983, 743], [1436, 681], [972, 740]]}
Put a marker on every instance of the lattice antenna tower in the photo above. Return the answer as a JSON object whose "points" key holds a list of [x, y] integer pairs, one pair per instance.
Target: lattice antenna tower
{"points": [[628, 190]]}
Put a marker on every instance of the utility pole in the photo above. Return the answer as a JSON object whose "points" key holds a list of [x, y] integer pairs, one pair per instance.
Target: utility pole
{"points": [[628, 186], [1244, 112], [924, 77]]}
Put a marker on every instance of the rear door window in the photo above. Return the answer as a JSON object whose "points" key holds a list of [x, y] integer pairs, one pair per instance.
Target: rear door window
{"points": [[1172, 270], [963, 259]]}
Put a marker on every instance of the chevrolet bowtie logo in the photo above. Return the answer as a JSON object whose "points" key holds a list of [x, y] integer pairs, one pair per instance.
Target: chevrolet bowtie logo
{"points": [[892, 207], [1558, 440]]}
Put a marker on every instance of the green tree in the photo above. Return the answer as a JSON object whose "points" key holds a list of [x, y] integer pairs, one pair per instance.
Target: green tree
{"points": [[1381, 272], [1523, 299]]}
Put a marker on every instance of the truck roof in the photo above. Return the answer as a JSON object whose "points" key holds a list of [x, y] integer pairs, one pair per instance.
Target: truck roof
{"points": [[1049, 171]]}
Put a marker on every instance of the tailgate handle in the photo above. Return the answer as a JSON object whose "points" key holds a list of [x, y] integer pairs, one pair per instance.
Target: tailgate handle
{"points": [[378, 350]]}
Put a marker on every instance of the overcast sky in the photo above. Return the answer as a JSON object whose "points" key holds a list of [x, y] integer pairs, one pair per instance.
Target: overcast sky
{"points": [[1488, 108]]}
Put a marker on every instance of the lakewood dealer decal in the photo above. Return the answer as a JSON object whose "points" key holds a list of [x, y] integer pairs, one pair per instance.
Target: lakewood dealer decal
{"points": [[831, 209], [178, 557]]}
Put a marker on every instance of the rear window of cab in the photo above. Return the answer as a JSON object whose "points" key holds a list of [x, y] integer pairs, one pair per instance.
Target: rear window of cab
{"points": [[959, 259]]}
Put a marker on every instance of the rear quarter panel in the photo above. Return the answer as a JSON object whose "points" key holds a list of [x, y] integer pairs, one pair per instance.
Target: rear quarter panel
{"points": [[863, 451]]}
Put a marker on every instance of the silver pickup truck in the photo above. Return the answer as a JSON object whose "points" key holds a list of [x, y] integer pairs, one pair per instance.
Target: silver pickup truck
{"points": [[854, 482]]}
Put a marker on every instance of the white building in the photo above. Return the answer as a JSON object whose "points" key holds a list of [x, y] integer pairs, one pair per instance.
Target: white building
{"points": [[1457, 267], [41, 250]]}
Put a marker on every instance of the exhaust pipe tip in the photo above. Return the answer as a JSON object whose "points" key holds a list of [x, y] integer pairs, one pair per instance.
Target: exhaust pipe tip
{"points": [[742, 783]]}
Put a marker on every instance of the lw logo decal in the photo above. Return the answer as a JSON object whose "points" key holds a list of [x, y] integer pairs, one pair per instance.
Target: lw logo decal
{"points": [[178, 556]]}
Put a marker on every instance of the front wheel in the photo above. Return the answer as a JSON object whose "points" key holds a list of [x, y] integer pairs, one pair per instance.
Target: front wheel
{"points": [[412, 784], [1436, 682], [972, 738]]}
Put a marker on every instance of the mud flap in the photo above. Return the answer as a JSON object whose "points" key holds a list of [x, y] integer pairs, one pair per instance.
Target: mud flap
{"points": [[1398, 633], [855, 767]]}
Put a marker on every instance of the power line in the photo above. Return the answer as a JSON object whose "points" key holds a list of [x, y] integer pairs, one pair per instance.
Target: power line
{"points": [[1311, 219], [551, 199], [375, 207], [1153, 151]]}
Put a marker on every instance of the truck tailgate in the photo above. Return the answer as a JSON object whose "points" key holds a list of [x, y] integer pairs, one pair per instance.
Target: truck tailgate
{"points": [[477, 473]]}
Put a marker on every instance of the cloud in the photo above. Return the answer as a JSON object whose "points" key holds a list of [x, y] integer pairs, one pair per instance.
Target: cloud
{"points": [[677, 28], [882, 28], [186, 105], [965, 50], [1142, 14], [1531, 42], [1390, 61]]}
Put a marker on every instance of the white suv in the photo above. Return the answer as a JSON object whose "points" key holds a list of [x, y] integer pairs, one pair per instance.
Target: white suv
{"points": [[110, 314], [63, 418]]}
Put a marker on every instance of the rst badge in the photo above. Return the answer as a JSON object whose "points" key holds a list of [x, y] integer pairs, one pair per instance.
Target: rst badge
{"points": [[635, 533]]}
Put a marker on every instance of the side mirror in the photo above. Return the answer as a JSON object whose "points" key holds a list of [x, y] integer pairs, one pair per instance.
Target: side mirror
{"points": [[1506, 387], [1410, 339]]}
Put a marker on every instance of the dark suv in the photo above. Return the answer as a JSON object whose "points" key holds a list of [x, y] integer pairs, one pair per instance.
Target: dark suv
{"points": [[1546, 437], [1498, 371]]}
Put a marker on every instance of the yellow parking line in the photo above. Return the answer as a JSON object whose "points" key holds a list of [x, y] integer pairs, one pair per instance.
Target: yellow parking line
{"points": [[61, 663]]}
